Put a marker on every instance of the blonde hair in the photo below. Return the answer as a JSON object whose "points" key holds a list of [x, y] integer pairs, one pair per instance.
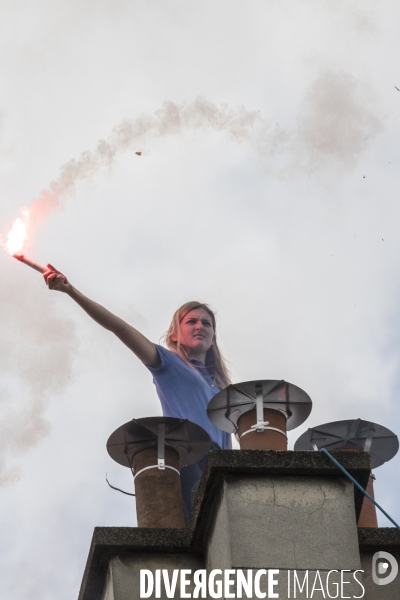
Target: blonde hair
{"points": [[214, 362]]}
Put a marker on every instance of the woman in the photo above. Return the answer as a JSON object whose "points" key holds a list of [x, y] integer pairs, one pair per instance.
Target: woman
{"points": [[186, 376]]}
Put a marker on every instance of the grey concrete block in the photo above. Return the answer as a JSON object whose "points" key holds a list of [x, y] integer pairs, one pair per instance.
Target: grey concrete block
{"points": [[269, 463], [123, 581], [286, 523], [218, 555]]}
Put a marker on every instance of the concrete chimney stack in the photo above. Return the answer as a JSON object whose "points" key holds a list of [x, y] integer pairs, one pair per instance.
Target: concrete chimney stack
{"points": [[287, 519], [292, 512]]}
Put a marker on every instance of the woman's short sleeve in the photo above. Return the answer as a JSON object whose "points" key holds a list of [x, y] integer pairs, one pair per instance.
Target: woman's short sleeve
{"points": [[166, 357]]}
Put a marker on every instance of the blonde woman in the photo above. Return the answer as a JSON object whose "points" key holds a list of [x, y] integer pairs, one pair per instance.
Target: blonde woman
{"points": [[187, 374]]}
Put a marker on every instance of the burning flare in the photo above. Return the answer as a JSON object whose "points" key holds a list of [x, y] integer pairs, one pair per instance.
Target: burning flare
{"points": [[16, 239], [18, 233]]}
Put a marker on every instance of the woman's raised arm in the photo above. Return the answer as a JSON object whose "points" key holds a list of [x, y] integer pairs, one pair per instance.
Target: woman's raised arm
{"points": [[144, 349]]}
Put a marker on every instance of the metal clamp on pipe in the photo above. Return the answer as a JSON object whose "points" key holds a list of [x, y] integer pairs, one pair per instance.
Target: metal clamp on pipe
{"points": [[259, 427], [161, 446], [259, 409], [155, 467]]}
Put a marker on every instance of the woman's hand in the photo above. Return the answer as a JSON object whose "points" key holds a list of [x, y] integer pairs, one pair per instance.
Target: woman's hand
{"points": [[56, 280]]}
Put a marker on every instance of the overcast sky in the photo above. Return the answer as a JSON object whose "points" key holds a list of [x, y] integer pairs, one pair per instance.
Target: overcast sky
{"points": [[268, 186]]}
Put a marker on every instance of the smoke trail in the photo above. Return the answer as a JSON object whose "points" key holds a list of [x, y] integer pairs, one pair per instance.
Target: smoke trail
{"points": [[336, 122], [170, 119], [29, 379]]}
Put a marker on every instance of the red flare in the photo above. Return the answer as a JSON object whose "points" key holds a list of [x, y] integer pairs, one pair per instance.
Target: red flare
{"points": [[30, 263]]}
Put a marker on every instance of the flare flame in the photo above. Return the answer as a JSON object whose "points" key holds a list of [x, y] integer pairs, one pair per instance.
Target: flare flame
{"points": [[18, 233]]}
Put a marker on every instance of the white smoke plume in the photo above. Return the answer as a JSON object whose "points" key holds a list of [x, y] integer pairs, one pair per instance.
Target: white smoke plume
{"points": [[336, 122], [29, 380]]}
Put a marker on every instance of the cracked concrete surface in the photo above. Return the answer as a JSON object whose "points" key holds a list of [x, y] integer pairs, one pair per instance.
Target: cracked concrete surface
{"points": [[285, 523]]}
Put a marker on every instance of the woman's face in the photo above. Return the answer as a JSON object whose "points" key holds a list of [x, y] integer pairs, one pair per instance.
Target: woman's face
{"points": [[197, 333]]}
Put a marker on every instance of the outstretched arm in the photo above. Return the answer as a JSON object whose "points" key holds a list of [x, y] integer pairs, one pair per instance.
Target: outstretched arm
{"points": [[144, 349]]}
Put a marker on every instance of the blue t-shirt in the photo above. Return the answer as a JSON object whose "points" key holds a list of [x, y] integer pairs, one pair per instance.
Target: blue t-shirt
{"points": [[185, 392]]}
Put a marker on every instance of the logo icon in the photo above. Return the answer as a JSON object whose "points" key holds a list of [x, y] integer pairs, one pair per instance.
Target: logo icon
{"points": [[381, 561]]}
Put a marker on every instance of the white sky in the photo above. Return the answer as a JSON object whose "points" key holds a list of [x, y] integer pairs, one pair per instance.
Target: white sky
{"points": [[290, 232]]}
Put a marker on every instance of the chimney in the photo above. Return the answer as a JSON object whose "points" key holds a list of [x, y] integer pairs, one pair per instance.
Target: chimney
{"points": [[286, 517], [155, 449], [260, 412], [355, 435]]}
